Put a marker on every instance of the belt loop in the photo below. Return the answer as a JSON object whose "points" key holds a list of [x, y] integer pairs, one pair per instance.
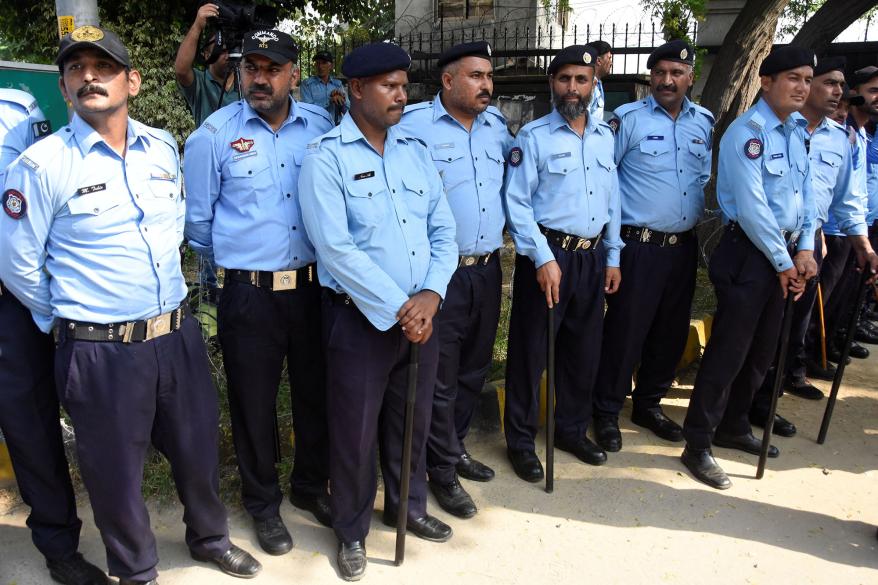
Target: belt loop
{"points": [[127, 331], [254, 278], [310, 273]]}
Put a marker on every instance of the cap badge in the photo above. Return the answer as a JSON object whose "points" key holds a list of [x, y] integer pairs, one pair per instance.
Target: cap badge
{"points": [[488, 49], [684, 53], [815, 60], [263, 36], [586, 58], [242, 144], [87, 33]]}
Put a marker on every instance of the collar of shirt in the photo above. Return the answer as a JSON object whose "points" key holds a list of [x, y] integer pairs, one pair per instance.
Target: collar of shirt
{"points": [[295, 114], [556, 120], [439, 111], [329, 80], [87, 137], [685, 108], [350, 132]]}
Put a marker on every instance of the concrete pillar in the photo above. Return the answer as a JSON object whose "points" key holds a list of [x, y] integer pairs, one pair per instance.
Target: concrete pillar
{"points": [[75, 13]]}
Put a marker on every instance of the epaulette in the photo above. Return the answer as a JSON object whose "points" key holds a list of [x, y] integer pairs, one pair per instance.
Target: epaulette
{"points": [[629, 107], [46, 150], [219, 118], [705, 112], [158, 134], [538, 123], [417, 107], [319, 110], [833, 124], [22, 98], [415, 138], [314, 146], [495, 111], [756, 122]]}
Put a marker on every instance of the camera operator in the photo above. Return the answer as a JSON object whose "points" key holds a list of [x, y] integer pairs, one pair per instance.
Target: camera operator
{"points": [[202, 88]]}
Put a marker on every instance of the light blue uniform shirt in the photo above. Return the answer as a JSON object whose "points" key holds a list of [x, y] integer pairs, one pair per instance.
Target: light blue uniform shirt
{"points": [[242, 187], [857, 146], [314, 91], [99, 239], [471, 165], [596, 106], [763, 181], [833, 180], [21, 124], [871, 177], [663, 164], [381, 226], [564, 182]]}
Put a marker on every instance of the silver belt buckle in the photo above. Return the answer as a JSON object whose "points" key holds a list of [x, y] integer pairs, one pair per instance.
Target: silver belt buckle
{"points": [[158, 326], [469, 261], [283, 280], [673, 239]]}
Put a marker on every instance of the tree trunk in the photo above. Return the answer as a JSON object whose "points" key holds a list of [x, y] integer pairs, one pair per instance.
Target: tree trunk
{"points": [[829, 22]]}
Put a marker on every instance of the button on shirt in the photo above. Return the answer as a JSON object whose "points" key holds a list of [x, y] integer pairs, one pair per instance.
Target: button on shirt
{"points": [[99, 239], [19, 119], [763, 181], [564, 182], [381, 226], [833, 181], [242, 187], [596, 106], [663, 164], [471, 165]]}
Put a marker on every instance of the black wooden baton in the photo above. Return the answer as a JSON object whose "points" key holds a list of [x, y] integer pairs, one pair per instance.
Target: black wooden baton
{"points": [[780, 366], [845, 351], [550, 402], [405, 472]]}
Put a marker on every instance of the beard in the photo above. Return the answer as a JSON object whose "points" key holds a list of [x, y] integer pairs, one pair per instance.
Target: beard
{"points": [[571, 110]]}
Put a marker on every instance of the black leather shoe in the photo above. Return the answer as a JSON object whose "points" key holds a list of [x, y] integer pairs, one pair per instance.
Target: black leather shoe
{"points": [[76, 571], [656, 421], [352, 560], [273, 536], [526, 464], [235, 562], [472, 469], [606, 433], [130, 582], [703, 466], [747, 443], [834, 355], [866, 333], [815, 370], [584, 450], [858, 351], [453, 499], [803, 389], [782, 427], [429, 527], [317, 505]]}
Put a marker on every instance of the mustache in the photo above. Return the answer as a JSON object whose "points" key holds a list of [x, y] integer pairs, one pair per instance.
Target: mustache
{"points": [[395, 108], [257, 87], [486, 94], [91, 88], [668, 87]]}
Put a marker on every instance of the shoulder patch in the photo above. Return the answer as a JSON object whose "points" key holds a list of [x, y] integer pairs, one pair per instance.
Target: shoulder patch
{"points": [[418, 106], [219, 118], [753, 148], [14, 204], [615, 123], [41, 128], [702, 110], [515, 156]]}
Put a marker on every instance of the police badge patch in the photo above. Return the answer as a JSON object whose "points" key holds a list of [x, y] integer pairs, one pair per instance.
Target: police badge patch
{"points": [[242, 144], [614, 124], [753, 148], [14, 204], [515, 156]]}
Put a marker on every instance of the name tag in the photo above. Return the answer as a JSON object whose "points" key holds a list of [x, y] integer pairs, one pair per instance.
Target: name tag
{"points": [[444, 146], [91, 189], [366, 175], [655, 137], [697, 141], [778, 155], [238, 157], [561, 155]]}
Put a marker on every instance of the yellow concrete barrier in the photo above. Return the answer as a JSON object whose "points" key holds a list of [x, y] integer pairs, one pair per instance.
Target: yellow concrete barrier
{"points": [[6, 472]]}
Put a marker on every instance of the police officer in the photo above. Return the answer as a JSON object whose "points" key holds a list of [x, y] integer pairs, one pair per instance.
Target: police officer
{"points": [[603, 68], [241, 170], [835, 188], [663, 149], [765, 253], [324, 90], [375, 209], [93, 217], [562, 201], [467, 139], [29, 418]]}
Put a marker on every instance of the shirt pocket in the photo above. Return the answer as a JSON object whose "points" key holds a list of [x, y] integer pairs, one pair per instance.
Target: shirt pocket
{"points": [[452, 163], [366, 200], [656, 155], [562, 173], [494, 165], [417, 197], [164, 192], [249, 180], [833, 159], [96, 213]]}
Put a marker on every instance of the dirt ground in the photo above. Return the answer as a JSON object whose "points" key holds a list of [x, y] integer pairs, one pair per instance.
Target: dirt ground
{"points": [[638, 519]]}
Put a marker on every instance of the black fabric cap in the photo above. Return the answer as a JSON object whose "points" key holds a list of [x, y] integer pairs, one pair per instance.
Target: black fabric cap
{"points": [[374, 59], [274, 44], [827, 64], [601, 47], [678, 51], [324, 56], [573, 55], [786, 57], [863, 75], [93, 37], [476, 49]]}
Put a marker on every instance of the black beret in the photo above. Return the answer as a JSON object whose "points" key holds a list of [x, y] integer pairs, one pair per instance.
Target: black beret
{"points": [[786, 57], [678, 51], [274, 44], [93, 37], [374, 59], [476, 49], [852, 98], [863, 75], [573, 55], [324, 56], [601, 47], [827, 64]]}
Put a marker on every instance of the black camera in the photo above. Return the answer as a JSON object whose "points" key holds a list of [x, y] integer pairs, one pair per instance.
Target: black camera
{"points": [[233, 21]]}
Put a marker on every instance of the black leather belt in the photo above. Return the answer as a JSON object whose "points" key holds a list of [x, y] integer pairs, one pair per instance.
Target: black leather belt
{"points": [[275, 281], [570, 242], [337, 298], [129, 332], [655, 237], [466, 261], [791, 238]]}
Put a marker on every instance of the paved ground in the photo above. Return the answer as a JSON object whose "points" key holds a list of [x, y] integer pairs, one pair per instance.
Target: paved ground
{"points": [[638, 519]]}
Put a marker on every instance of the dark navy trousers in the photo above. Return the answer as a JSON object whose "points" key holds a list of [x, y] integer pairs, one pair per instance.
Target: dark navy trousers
{"points": [[366, 381], [465, 327], [647, 323], [742, 344], [578, 320], [124, 397], [258, 330], [29, 416]]}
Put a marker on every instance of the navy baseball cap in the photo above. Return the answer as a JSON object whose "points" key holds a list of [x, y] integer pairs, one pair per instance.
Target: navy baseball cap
{"points": [[274, 44], [93, 37]]}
